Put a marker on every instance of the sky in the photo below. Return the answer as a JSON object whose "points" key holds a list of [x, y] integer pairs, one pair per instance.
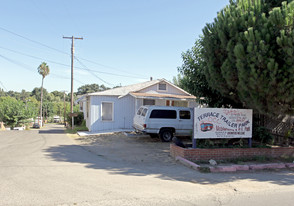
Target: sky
{"points": [[124, 41]]}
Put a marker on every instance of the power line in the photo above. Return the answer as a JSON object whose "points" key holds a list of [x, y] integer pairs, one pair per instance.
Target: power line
{"points": [[36, 42], [139, 75], [86, 68], [49, 47], [34, 57], [3, 86], [15, 62], [66, 65], [63, 77], [29, 68], [59, 76]]}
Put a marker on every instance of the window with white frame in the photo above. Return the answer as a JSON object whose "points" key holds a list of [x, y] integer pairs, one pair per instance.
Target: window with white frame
{"points": [[181, 104], [148, 101], [107, 111], [162, 87]]}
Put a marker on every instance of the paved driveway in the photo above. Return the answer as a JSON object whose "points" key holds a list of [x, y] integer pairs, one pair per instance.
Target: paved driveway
{"points": [[47, 167]]}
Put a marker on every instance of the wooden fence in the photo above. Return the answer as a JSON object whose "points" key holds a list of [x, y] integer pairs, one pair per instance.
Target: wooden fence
{"points": [[281, 127]]}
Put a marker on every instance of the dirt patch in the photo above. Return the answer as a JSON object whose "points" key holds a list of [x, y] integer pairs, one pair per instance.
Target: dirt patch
{"points": [[133, 149]]}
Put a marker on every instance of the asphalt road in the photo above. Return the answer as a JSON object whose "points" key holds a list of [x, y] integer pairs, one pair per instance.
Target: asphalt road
{"points": [[46, 167]]}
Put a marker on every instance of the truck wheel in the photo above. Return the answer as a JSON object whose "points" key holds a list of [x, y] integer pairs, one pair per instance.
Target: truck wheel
{"points": [[166, 135]]}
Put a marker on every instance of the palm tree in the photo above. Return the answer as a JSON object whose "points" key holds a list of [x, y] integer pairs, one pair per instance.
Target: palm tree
{"points": [[44, 70]]}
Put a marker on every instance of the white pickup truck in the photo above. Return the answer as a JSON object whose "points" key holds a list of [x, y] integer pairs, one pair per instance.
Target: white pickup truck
{"points": [[164, 121]]}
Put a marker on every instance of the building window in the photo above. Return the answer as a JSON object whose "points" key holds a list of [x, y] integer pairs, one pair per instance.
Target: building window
{"points": [[107, 111], [180, 104], [162, 87], [148, 101], [169, 103]]}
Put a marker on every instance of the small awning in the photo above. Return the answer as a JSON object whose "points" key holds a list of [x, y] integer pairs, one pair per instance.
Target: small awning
{"points": [[162, 96]]}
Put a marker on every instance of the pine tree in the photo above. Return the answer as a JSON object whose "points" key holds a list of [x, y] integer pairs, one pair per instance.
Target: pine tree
{"points": [[248, 51]]}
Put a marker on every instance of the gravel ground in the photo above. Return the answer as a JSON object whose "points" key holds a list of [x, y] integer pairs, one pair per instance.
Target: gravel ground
{"points": [[130, 149]]}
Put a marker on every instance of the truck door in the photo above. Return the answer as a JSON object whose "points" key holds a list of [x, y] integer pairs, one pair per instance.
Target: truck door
{"points": [[185, 122]]}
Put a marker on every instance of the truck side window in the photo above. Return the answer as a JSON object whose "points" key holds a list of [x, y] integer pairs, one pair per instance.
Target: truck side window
{"points": [[144, 112], [139, 111], [163, 114], [185, 114]]}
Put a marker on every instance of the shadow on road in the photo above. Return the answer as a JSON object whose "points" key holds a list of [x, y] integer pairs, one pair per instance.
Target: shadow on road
{"points": [[80, 154], [51, 131]]}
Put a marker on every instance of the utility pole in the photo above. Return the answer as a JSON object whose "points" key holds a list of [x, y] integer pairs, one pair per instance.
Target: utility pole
{"points": [[72, 62], [64, 107]]}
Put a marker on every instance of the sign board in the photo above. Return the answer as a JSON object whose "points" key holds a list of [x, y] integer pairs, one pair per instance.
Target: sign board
{"points": [[73, 114], [212, 123]]}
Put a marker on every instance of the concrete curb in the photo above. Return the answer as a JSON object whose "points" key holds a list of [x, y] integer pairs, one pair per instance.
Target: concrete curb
{"points": [[234, 168], [267, 166], [290, 165], [87, 133], [241, 167], [187, 163], [223, 169]]}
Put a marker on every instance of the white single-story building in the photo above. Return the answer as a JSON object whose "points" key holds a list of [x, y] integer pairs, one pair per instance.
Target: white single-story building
{"points": [[114, 109]]}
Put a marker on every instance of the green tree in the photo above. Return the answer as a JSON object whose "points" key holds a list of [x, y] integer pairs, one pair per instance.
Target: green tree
{"points": [[90, 88], [31, 107], [192, 78], [58, 94], [249, 54], [36, 93], [58, 108], [13, 94], [2, 93], [103, 87], [24, 95], [14, 112], [43, 70], [48, 109]]}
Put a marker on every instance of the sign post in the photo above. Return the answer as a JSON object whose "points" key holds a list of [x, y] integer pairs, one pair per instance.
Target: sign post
{"points": [[194, 141], [221, 123], [72, 115]]}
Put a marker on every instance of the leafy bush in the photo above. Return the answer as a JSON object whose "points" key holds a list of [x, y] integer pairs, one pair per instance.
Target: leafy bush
{"points": [[79, 120], [262, 135]]}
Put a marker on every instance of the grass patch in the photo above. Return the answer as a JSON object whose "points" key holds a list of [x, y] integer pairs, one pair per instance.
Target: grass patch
{"points": [[76, 129], [244, 160], [287, 158]]}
